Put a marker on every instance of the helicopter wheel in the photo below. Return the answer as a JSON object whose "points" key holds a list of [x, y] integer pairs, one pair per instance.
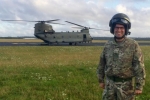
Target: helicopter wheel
{"points": [[50, 43], [70, 43], [75, 43]]}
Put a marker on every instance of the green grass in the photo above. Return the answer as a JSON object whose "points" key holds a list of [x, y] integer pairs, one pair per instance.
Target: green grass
{"points": [[54, 73], [20, 40]]}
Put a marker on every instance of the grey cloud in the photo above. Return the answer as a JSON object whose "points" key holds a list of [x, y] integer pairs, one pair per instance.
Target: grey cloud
{"points": [[92, 13]]}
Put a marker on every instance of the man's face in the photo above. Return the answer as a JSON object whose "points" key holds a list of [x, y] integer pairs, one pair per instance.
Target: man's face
{"points": [[119, 30]]}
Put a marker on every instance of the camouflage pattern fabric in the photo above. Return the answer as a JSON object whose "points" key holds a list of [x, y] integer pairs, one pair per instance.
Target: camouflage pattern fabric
{"points": [[118, 90], [123, 60]]}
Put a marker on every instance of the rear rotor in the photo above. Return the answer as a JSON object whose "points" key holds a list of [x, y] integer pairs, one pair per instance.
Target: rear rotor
{"points": [[84, 27]]}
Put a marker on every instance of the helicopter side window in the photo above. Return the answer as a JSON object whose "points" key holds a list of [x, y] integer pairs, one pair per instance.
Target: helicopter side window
{"points": [[45, 31]]}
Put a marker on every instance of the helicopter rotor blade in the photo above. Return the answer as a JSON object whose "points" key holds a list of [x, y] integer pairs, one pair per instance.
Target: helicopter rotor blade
{"points": [[48, 21], [13, 20], [78, 27], [52, 20], [84, 26], [74, 23], [99, 29], [22, 20], [56, 23], [90, 28]]}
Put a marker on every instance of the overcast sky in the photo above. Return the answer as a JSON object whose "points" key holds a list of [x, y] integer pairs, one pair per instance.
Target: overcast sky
{"points": [[89, 13]]}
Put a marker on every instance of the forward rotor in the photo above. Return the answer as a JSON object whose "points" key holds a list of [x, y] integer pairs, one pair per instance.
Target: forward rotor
{"points": [[46, 21]]}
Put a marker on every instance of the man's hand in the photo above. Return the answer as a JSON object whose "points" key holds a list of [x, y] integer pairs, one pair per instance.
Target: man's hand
{"points": [[102, 85], [137, 92]]}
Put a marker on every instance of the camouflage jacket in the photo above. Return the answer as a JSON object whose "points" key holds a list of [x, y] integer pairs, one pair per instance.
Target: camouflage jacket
{"points": [[123, 60]]}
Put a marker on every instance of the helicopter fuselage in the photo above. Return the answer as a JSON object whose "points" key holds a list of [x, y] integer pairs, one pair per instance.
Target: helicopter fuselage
{"points": [[46, 33], [64, 37]]}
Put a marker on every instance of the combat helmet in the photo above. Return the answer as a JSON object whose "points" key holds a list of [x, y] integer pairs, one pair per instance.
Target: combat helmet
{"points": [[120, 18]]}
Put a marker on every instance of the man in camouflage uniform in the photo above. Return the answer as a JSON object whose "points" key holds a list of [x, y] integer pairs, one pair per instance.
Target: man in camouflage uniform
{"points": [[121, 70]]}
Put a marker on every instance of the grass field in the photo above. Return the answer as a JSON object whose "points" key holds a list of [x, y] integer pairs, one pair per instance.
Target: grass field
{"points": [[38, 40], [54, 73], [20, 40]]}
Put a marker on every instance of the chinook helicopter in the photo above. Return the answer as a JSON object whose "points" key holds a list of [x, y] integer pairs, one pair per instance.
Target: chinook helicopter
{"points": [[46, 33]]}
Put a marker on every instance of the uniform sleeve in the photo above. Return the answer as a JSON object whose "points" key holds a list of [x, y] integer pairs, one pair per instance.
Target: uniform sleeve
{"points": [[139, 68], [101, 67]]}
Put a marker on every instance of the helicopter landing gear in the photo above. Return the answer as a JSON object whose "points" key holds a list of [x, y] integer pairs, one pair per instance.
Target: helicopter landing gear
{"points": [[50, 43], [75, 43], [70, 43]]}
